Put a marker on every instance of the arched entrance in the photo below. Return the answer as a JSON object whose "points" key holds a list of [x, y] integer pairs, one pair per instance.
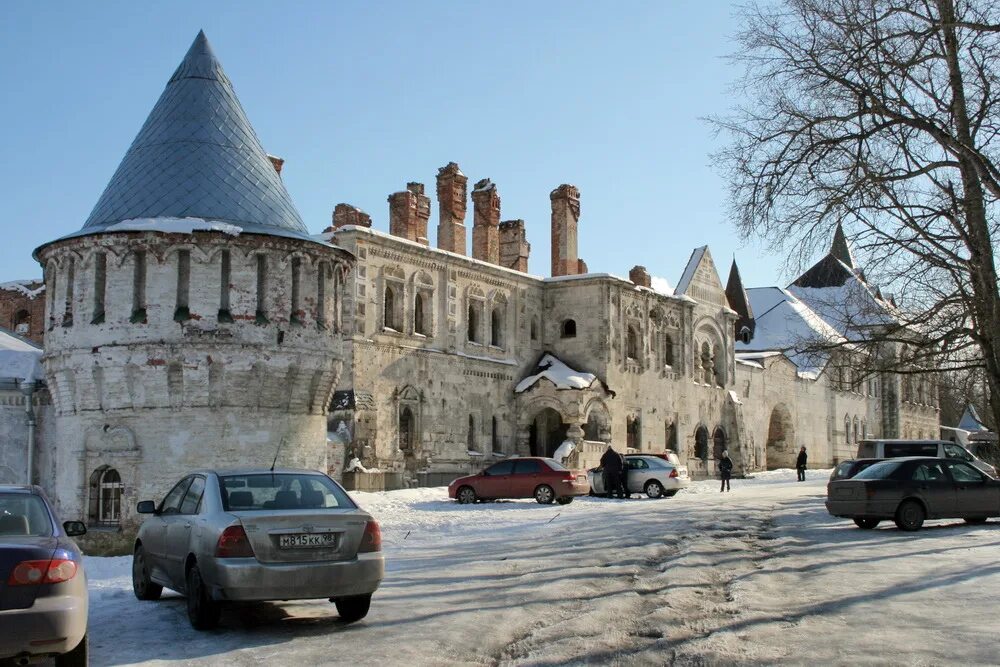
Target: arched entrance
{"points": [[719, 442], [546, 433], [780, 449], [701, 443]]}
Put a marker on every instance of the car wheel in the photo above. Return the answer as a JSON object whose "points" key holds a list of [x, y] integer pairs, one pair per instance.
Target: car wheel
{"points": [[866, 524], [565, 500], [353, 608], [976, 520], [544, 494], [466, 495], [78, 657], [910, 515], [203, 611], [654, 489], [142, 585]]}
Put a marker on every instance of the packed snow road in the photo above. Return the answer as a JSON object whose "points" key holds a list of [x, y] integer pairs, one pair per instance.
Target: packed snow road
{"points": [[758, 575]]}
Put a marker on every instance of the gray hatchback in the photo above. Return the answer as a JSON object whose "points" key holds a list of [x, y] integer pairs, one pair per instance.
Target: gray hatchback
{"points": [[256, 535]]}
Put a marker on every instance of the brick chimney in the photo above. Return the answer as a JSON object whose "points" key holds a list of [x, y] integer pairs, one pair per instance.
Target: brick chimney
{"points": [[277, 163], [514, 246], [565, 214], [640, 276], [345, 214], [409, 211], [486, 222], [452, 193]]}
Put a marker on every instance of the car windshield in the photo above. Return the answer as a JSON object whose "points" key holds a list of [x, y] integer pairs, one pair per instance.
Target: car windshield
{"points": [[24, 515], [882, 470], [282, 491]]}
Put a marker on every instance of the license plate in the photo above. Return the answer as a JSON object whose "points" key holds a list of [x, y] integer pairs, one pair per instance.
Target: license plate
{"points": [[306, 540], [581, 478]]}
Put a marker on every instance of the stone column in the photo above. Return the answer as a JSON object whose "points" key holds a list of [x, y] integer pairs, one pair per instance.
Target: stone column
{"points": [[486, 222], [565, 215], [514, 246], [452, 192]]}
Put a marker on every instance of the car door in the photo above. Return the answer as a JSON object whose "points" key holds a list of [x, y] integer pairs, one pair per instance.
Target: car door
{"points": [[637, 473], [932, 484], [526, 477], [179, 526], [975, 494], [154, 530], [169, 515], [495, 481]]}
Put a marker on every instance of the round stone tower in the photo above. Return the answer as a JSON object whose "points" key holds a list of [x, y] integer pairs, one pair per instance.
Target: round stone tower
{"points": [[192, 322]]}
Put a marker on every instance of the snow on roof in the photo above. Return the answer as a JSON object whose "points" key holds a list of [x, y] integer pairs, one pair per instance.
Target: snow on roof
{"points": [[661, 285], [847, 308], [558, 373], [19, 359], [689, 270], [24, 287], [787, 325], [174, 226]]}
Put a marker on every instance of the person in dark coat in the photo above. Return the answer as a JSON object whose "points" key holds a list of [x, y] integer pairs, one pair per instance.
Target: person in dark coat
{"points": [[623, 479], [800, 463], [611, 462], [725, 470]]}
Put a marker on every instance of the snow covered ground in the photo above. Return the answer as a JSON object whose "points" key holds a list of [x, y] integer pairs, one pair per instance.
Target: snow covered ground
{"points": [[758, 575]]}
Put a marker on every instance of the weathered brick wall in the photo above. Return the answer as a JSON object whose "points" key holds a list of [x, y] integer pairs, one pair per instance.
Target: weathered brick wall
{"points": [[514, 246], [486, 222], [14, 433], [452, 195], [565, 215], [22, 309]]}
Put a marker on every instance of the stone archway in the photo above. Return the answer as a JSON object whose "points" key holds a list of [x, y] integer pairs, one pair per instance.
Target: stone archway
{"points": [[779, 452], [546, 432]]}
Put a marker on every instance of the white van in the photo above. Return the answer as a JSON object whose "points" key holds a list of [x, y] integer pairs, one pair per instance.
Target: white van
{"points": [[891, 449]]}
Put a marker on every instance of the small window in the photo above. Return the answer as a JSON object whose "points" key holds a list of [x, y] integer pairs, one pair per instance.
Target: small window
{"points": [[418, 315], [495, 435], [182, 310], [472, 335], [192, 499], [534, 328], [929, 472], [70, 284], [139, 287], [295, 316], [389, 306], [471, 435], [496, 327], [569, 329], [261, 316], [527, 466], [502, 468], [635, 463], [22, 323], [631, 343], [963, 472], [100, 286], [745, 335], [109, 503], [224, 287], [172, 503], [668, 350], [406, 429]]}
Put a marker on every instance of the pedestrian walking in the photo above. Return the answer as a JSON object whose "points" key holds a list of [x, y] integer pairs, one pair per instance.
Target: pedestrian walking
{"points": [[725, 470], [800, 463], [611, 464]]}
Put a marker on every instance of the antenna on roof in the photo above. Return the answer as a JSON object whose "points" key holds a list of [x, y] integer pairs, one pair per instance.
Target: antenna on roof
{"points": [[278, 449]]}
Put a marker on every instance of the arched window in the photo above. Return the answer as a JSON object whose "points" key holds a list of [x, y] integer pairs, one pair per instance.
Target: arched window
{"points": [[418, 315], [496, 327], [389, 308], [631, 343], [534, 328], [701, 443], [668, 350], [718, 442], [406, 429], [22, 323], [473, 332], [707, 372], [670, 435], [470, 438], [109, 497], [744, 335], [569, 329], [633, 433]]}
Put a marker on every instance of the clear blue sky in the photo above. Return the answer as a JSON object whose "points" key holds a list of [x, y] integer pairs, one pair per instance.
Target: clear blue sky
{"points": [[360, 98]]}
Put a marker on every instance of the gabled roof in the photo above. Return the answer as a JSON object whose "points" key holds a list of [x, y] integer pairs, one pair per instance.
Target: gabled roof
{"points": [[197, 156], [689, 270]]}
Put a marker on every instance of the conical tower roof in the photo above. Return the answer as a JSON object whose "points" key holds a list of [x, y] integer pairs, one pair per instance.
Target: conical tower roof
{"points": [[840, 248], [197, 156]]}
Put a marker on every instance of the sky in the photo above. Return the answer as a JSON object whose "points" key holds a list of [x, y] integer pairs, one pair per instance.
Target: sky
{"points": [[360, 98]]}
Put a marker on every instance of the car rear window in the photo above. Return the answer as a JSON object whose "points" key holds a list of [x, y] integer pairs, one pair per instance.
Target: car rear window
{"points": [[882, 470], [24, 515], [842, 471], [555, 465], [282, 491]]}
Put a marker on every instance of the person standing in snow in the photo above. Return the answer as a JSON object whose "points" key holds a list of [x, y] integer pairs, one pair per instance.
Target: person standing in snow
{"points": [[800, 463], [623, 478], [611, 463], [725, 470]]}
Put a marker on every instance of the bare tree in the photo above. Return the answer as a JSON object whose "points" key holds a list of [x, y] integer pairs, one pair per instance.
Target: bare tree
{"points": [[883, 116]]}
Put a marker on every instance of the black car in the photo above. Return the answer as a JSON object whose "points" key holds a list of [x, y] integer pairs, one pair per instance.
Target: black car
{"points": [[910, 490], [848, 469]]}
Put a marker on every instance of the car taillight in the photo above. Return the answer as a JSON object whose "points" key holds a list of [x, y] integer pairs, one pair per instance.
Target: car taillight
{"points": [[372, 538], [234, 543], [673, 473], [36, 572]]}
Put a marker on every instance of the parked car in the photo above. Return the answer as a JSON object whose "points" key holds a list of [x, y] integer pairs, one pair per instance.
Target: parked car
{"points": [[546, 480], [255, 535], [848, 469], [43, 589], [670, 457], [647, 473], [890, 449], [910, 490]]}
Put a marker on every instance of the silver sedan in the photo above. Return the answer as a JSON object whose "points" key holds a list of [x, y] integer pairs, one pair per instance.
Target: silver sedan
{"points": [[255, 535], [646, 474]]}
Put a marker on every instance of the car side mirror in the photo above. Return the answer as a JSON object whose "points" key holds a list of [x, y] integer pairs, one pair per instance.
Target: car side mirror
{"points": [[74, 528], [146, 507]]}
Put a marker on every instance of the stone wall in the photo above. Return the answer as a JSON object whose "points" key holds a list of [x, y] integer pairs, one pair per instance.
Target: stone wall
{"points": [[14, 433]]}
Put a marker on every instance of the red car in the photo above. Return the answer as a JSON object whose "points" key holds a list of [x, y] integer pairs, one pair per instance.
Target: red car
{"points": [[543, 479]]}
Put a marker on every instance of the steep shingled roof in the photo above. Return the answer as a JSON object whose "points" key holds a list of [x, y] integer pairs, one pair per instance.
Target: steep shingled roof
{"points": [[197, 156]]}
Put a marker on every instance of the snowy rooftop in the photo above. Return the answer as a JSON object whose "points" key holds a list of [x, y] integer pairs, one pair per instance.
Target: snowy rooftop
{"points": [[19, 359], [559, 374], [29, 288]]}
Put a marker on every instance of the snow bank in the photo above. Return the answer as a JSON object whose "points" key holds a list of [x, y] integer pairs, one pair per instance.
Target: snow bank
{"points": [[559, 374], [175, 226]]}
